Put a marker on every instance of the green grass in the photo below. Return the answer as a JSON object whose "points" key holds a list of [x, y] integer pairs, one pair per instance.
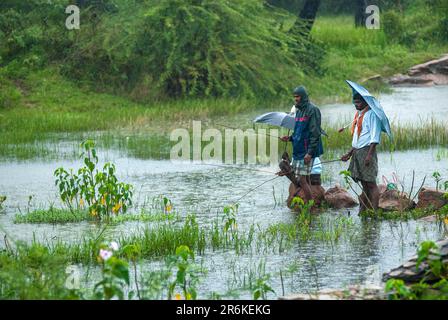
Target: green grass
{"points": [[359, 53], [405, 137], [43, 106], [56, 216], [155, 145], [163, 236], [407, 215], [53, 215], [32, 272]]}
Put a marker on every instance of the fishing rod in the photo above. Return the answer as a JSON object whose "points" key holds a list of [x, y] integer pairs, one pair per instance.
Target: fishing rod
{"points": [[236, 201], [254, 169], [261, 184], [345, 127], [233, 128], [234, 167], [256, 187]]}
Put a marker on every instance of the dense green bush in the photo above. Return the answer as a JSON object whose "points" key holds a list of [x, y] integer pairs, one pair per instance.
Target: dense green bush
{"points": [[424, 20], [31, 272], [158, 49], [195, 48], [9, 95]]}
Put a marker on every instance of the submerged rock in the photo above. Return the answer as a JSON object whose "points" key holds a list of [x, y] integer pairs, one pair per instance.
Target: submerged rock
{"points": [[434, 72], [393, 200], [339, 198], [431, 198], [432, 218], [317, 191], [351, 293], [409, 273]]}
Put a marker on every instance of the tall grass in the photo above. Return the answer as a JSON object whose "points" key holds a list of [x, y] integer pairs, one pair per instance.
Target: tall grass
{"points": [[152, 144], [162, 238], [405, 137], [359, 53]]}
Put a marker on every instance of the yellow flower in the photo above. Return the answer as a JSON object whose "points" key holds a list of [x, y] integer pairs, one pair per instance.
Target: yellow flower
{"points": [[188, 296], [445, 220], [168, 208], [93, 213], [116, 207], [177, 296], [103, 201], [81, 202]]}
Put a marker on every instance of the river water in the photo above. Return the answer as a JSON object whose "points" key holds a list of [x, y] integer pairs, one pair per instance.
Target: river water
{"points": [[203, 189]]}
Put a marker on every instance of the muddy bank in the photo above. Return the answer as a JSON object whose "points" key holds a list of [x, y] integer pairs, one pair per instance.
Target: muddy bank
{"points": [[434, 72]]}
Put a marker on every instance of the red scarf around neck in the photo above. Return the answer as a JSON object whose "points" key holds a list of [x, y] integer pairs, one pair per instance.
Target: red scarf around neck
{"points": [[358, 120]]}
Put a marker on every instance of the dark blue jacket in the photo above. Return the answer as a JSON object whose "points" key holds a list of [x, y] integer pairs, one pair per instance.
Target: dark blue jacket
{"points": [[307, 131]]}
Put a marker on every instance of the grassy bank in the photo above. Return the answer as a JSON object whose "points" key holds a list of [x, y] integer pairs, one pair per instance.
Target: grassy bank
{"points": [[359, 53], [43, 104]]}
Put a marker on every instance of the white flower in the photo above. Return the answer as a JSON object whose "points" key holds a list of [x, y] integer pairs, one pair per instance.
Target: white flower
{"points": [[114, 246], [105, 254]]}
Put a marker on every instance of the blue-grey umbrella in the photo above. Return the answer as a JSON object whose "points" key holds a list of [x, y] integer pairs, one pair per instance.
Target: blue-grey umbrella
{"points": [[374, 105], [280, 119]]}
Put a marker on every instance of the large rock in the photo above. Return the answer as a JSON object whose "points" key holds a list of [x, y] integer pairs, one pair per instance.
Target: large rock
{"points": [[434, 72], [431, 198], [317, 191], [409, 273], [338, 198], [393, 200], [355, 292]]}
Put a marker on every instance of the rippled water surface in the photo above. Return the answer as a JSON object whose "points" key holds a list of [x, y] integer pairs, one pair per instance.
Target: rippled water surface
{"points": [[373, 248]]}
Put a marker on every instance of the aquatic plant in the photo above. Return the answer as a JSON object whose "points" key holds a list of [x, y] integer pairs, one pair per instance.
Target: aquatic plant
{"points": [[229, 217], [261, 288], [115, 274], [404, 215], [32, 272], [187, 274], [99, 190], [437, 177], [53, 215], [56, 216]]}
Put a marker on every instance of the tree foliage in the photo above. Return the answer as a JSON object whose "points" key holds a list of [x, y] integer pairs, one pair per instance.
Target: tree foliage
{"points": [[219, 48], [156, 49]]}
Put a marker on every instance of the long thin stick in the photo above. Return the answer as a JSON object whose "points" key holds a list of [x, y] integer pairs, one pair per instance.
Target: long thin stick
{"points": [[259, 170], [412, 185], [255, 188], [233, 128], [419, 189], [286, 142], [233, 167]]}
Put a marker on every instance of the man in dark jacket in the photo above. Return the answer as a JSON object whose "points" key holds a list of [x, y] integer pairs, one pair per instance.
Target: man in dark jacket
{"points": [[306, 138]]}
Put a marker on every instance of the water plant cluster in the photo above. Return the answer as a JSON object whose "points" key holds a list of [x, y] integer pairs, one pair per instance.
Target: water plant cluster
{"points": [[169, 240], [99, 191]]}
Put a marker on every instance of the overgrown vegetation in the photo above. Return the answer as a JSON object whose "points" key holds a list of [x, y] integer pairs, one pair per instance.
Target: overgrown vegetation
{"points": [[433, 284]]}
